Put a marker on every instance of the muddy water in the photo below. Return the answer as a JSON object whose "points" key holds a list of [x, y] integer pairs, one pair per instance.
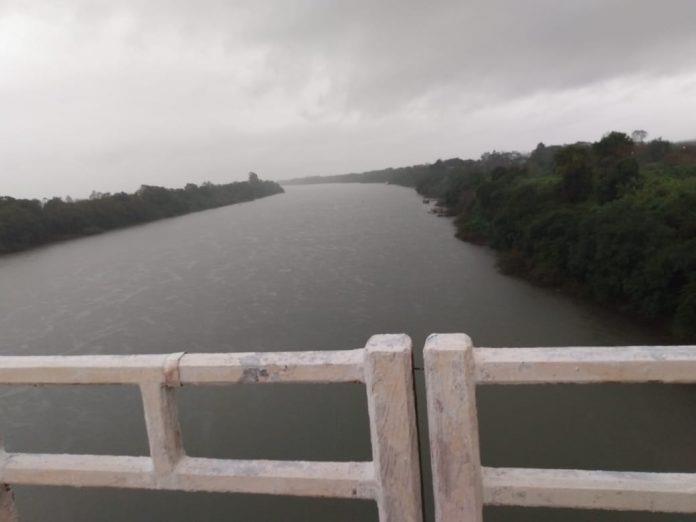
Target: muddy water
{"points": [[320, 267]]}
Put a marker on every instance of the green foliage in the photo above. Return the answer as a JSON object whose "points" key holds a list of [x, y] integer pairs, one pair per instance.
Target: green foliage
{"points": [[615, 178], [541, 160], [27, 223], [574, 170], [613, 220], [685, 316], [658, 149], [620, 227], [615, 144]]}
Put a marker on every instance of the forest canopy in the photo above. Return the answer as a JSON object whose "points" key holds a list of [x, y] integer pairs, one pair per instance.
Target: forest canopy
{"points": [[25, 223]]}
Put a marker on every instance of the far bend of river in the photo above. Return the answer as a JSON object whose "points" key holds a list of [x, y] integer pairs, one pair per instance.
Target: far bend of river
{"points": [[320, 267]]}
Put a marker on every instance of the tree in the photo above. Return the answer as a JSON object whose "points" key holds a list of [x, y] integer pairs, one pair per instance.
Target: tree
{"points": [[639, 135], [573, 167], [25, 223], [253, 177], [616, 144], [685, 316], [617, 179], [541, 159], [658, 149]]}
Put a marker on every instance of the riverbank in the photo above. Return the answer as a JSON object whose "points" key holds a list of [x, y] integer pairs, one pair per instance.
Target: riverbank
{"points": [[614, 220], [25, 223]]}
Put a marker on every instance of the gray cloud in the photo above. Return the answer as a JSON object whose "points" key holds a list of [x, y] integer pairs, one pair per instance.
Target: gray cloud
{"points": [[108, 95]]}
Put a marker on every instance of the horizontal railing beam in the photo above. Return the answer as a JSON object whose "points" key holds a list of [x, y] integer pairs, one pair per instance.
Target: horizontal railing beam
{"points": [[79, 470], [581, 365], [633, 364], [296, 478], [82, 369], [270, 367], [221, 368], [603, 490]]}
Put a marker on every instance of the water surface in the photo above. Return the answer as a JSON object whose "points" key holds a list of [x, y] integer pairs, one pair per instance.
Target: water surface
{"points": [[320, 267]]}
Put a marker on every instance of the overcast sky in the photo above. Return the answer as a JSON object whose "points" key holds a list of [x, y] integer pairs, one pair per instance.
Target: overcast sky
{"points": [[108, 95]]}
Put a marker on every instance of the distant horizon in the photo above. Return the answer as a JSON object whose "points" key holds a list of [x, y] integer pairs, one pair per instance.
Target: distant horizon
{"points": [[521, 151], [242, 177]]}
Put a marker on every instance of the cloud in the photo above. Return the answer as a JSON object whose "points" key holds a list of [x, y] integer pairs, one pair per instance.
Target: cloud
{"points": [[108, 95]]}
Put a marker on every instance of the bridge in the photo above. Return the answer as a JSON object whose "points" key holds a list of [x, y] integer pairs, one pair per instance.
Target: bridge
{"points": [[453, 370]]}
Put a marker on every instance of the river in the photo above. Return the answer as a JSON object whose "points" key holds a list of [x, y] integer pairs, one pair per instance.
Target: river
{"points": [[320, 267]]}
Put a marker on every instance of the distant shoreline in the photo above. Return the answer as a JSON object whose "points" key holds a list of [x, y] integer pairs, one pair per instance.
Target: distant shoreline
{"points": [[26, 224], [612, 221]]}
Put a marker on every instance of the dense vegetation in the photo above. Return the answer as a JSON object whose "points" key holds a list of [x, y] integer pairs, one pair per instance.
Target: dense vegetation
{"points": [[614, 220], [25, 223]]}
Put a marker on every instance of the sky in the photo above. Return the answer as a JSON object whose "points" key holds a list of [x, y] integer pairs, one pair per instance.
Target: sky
{"points": [[109, 95]]}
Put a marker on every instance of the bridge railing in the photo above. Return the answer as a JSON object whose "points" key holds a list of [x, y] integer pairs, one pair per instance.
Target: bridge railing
{"points": [[392, 478], [453, 369]]}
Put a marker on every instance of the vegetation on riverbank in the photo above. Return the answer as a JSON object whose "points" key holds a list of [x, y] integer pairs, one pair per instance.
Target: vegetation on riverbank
{"points": [[25, 223], [613, 220]]}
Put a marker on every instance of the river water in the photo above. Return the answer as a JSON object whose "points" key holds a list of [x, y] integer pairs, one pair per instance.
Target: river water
{"points": [[320, 267]]}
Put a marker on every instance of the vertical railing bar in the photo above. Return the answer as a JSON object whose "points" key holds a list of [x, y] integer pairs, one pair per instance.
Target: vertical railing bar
{"points": [[8, 509], [393, 430], [162, 423], [453, 427]]}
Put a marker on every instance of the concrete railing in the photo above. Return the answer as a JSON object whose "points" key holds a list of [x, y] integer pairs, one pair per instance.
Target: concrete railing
{"points": [[453, 369], [392, 478]]}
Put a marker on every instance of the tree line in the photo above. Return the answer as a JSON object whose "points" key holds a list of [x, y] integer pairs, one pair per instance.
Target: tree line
{"points": [[25, 223], [613, 220]]}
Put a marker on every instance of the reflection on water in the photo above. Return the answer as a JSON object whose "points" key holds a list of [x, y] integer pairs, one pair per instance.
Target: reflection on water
{"points": [[320, 267]]}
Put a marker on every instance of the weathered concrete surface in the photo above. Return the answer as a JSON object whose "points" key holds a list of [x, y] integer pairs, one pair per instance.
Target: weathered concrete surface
{"points": [[667, 364], [8, 511], [82, 369], [392, 480], [313, 367], [273, 477], [297, 478], [186, 368], [611, 490], [391, 404], [80, 470], [453, 368], [162, 423], [453, 428]]}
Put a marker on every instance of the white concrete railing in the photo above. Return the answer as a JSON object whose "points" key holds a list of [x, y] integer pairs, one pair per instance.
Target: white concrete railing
{"points": [[453, 369], [392, 478]]}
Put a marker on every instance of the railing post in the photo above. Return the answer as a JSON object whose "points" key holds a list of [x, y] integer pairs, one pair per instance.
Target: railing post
{"points": [[162, 422], [8, 510], [390, 399], [453, 428]]}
